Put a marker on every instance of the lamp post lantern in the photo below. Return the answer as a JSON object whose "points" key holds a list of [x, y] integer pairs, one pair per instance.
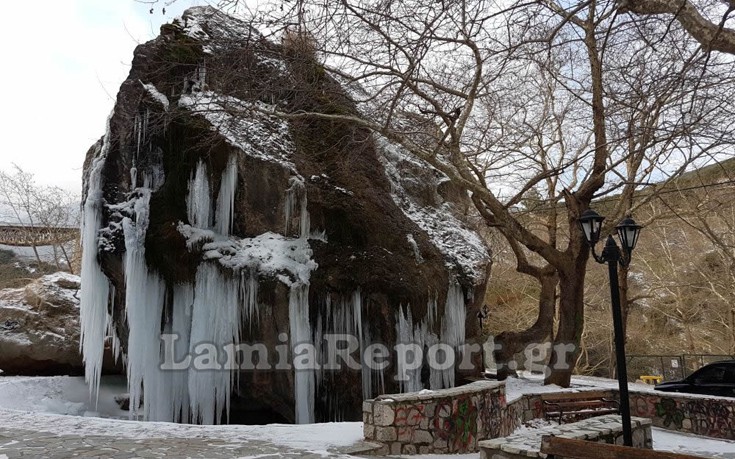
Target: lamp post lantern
{"points": [[628, 231]]}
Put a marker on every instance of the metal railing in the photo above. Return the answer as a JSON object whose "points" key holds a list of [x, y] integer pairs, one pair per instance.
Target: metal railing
{"points": [[36, 235]]}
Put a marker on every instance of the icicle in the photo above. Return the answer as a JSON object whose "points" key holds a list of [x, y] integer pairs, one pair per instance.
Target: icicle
{"points": [[296, 193], [226, 198], [95, 287], [145, 127], [290, 204], [198, 200], [304, 222], [114, 341], [137, 129], [407, 334], [455, 316], [249, 295], [321, 347], [133, 177], [304, 384], [431, 308], [144, 297], [362, 333], [453, 325], [215, 322], [183, 299], [415, 248]]}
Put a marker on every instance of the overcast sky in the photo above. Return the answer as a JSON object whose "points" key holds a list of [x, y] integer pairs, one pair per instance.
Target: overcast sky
{"points": [[64, 61]]}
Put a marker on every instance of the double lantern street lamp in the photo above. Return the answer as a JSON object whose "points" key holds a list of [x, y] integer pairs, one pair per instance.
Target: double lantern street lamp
{"points": [[628, 231]]}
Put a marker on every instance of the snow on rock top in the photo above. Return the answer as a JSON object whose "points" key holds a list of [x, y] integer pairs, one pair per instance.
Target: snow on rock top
{"points": [[217, 31], [156, 94], [459, 244], [213, 27], [244, 125]]}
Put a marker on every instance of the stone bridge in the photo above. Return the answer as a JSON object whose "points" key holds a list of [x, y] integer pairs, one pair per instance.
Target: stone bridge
{"points": [[19, 235]]}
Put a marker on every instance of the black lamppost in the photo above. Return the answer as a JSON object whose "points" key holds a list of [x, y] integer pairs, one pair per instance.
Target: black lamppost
{"points": [[628, 231]]}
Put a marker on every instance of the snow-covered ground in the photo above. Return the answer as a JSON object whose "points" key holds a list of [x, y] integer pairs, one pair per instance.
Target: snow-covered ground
{"points": [[66, 395], [666, 440], [60, 405]]}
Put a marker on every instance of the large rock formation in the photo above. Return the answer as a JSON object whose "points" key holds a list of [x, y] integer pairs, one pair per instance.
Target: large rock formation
{"points": [[39, 327], [208, 217]]}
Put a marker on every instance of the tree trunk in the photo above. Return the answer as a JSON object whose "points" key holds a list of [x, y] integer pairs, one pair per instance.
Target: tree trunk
{"points": [[568, 337], [35, 252], [509, 343], [56, 257], [66, 257]]}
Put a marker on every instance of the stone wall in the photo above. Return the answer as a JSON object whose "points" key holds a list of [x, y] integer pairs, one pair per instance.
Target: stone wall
{"points": [[602, 429], [455, 420], [708, 416], [446, 421]]}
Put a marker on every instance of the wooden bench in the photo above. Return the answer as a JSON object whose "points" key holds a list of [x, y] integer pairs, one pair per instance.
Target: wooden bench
{"points": [[567, 448], [575, 406]]}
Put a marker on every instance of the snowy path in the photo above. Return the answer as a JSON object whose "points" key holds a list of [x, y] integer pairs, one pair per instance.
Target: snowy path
{"points": [[36, 435]]}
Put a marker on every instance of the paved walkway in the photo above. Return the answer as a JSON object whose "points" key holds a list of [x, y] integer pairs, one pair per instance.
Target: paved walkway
{"points": [[55, 437], [17, 443]]}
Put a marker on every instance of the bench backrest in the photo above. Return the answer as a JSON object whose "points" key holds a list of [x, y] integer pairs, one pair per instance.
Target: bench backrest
{"points": [[563, 396]]}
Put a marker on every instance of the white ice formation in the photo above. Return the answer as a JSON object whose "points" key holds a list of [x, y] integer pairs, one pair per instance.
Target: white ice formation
{"points": [[452, 334], [95, 289], [206, 315]]}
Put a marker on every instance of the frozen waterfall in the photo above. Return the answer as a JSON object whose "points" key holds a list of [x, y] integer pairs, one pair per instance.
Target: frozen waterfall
{"points": [[198, 201], [343, 318], [215, 324], [206, 314], [304, 385], [144, 297], [296, 199], [95, 287], [420, 336], [226, 198]]}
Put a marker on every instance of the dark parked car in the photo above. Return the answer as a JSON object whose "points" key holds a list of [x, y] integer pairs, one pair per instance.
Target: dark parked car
{"points": [[714, 379]]}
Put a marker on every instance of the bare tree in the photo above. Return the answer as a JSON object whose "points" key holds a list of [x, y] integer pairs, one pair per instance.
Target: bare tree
{"points": [[18, 191], [705, 21], [562, 104], [57, 208], [568, 101], [37, 208]]}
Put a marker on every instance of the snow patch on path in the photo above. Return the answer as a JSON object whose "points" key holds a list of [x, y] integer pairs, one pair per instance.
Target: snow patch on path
{"points": [[677, 442], [315, 438]]}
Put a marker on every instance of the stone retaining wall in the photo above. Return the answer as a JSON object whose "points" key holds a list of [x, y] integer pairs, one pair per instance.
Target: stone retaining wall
{"points": [[711, 417], [446, 421], [455, 420], [602, 429]]}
